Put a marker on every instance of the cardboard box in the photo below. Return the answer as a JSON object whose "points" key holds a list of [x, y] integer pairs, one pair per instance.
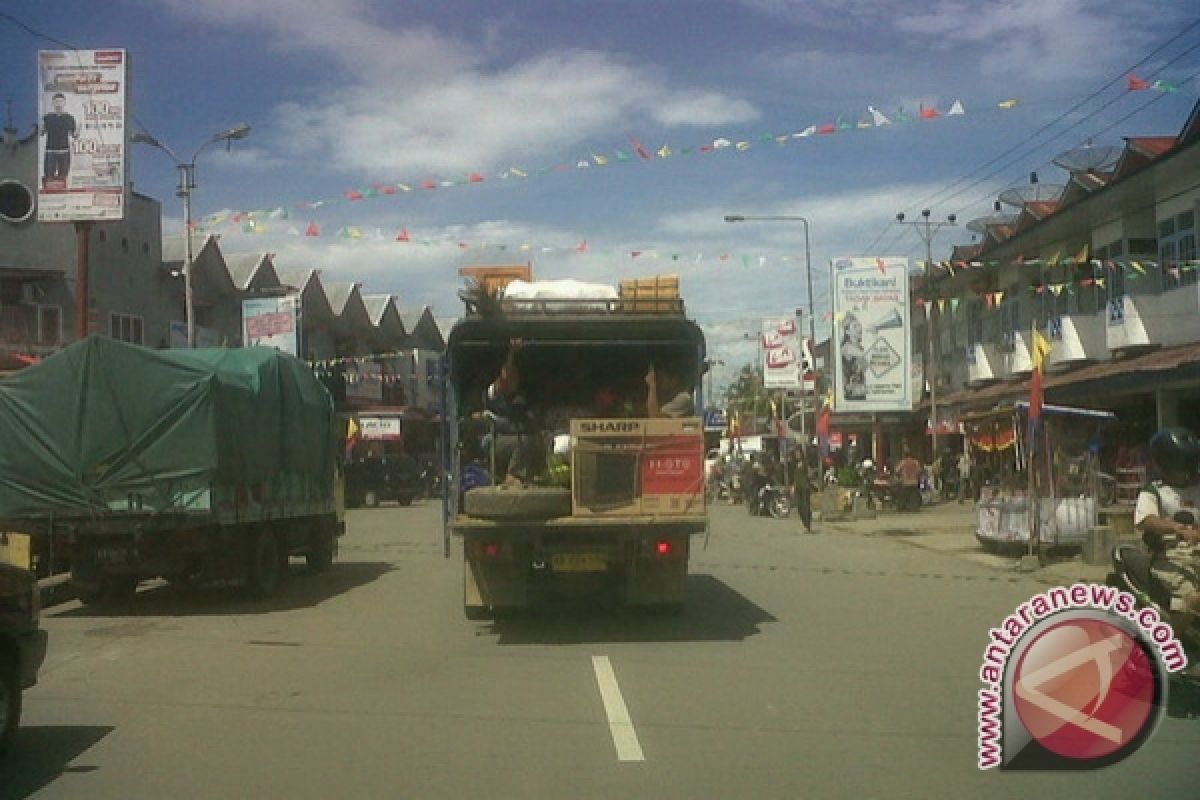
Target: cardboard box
{"points": [[623, 467]]}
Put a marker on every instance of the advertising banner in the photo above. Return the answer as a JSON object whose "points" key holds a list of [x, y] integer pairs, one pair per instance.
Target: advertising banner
{"points": [[272, 322], [82, 107], [872, 336], [781, 354]]}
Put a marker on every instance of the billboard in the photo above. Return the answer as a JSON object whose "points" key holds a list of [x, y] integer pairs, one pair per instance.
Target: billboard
{"points": [[781, 354], [82, 108], [872, 335], [272, 322]]}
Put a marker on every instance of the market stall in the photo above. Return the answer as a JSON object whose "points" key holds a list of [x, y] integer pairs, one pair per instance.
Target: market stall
{"points": [[1039, 482]]}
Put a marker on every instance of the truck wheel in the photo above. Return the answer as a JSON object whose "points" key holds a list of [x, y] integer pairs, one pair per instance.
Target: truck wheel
{"points": [[370, 498], [404, 499], [320, 551], [10, 700], [266, 571], [517, 503]]}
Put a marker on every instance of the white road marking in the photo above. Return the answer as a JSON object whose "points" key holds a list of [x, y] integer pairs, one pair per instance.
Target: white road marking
{"points": [[619, 724]]}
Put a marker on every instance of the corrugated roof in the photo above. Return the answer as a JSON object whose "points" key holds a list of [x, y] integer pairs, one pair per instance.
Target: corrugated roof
{"points": [[174, 248], [411, 316], [1042, 208], [295, 276], [1151, 146]]}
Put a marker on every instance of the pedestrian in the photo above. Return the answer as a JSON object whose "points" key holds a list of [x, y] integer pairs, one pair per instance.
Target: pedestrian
{"points": [[909, 470], [965, 467], [802, 491]]}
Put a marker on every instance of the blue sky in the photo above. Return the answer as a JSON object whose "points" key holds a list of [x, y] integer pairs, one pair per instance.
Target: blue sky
{"points": [[343, 93]]}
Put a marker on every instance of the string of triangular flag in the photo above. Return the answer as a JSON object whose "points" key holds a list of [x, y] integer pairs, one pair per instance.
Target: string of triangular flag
{"points": [[633, 152]]}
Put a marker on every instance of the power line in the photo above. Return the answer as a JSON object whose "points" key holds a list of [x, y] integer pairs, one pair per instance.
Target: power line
{"points": [[1060, 117]]}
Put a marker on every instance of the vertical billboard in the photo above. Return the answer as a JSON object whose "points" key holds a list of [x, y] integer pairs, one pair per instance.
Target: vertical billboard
{"points": [[781, 354], [872, 336], [272, 322], [82, 106]]}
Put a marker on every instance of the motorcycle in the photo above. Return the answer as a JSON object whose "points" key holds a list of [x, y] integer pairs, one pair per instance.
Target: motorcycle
{"points": [[772, 501], [1132, 573]]}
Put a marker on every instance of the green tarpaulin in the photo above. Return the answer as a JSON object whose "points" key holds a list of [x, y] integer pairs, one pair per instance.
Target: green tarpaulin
{"points": [[103, 420]]}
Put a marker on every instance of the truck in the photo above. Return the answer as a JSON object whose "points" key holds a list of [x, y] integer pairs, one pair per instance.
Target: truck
{"points": [[22, 645], [200, 465], [622, 496]]}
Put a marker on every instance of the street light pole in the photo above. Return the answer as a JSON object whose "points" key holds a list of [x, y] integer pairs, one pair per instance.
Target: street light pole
{"points": [[187, 182], [812, 320], [927, 229]]}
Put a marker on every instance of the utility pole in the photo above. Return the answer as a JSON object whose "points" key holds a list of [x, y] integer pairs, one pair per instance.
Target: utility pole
{"points": [[927, 229]]}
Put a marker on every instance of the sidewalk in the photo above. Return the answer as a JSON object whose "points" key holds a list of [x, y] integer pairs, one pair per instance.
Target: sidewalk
{"points": [[949, 528]]}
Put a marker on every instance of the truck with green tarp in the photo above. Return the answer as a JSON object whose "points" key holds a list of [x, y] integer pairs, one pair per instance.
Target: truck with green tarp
{"points": [[191, 465]]}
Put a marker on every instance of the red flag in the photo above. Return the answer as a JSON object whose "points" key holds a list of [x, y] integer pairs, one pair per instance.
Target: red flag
{"points": [[635, 253], [354, 194], [428, 185], [312, 230], [402, 236], [475, 177], [827, 128], [1136, 84], [387, 189], [582, 248], [1035, 395], [928, 113], [641, 151]]}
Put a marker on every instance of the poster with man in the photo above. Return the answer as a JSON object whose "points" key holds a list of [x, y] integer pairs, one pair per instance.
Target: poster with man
{"points": [[81, 135], [872, 336]]}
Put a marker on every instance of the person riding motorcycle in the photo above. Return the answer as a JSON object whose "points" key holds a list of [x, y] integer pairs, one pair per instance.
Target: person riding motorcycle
{"points": [[1175, 451]]}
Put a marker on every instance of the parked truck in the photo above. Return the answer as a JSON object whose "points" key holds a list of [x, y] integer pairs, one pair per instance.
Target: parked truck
{"points": [[622, 493], [192, 465]]}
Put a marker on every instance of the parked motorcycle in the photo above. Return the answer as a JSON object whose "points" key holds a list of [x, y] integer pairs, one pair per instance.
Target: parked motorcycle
{"points": [[772, 501], [1132, 573]]}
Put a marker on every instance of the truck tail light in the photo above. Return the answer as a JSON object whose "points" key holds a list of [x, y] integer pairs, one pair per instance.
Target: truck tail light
{"points": [[486, 550], [492, 549], [663, 547]]}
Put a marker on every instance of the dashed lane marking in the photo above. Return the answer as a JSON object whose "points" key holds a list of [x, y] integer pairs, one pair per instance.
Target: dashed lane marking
{"points": [[619, 723]]}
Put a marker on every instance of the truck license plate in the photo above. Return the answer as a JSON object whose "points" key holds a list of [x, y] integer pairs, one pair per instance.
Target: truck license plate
{"points": [[578, 562], [114, 554]]}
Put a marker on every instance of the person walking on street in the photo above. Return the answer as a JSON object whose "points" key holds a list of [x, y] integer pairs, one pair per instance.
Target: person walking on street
{"points": [[802, 491], [964, 475], [909, 470]]}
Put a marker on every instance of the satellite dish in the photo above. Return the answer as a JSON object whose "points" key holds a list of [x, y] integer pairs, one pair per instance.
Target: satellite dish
{"points": [[981, 224], [1018, 196], [1089, 158]]}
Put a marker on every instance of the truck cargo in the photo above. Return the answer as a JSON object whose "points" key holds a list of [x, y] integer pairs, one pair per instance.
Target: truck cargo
{"points": [[613, 508], [197, 465]]}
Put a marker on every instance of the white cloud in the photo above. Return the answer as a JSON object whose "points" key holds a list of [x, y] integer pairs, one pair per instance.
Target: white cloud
{"points": [[415, 99]]}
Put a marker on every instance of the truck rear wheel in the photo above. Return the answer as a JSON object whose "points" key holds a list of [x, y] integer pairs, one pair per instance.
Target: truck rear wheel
{"points": [[320, 550], [266, 566]]}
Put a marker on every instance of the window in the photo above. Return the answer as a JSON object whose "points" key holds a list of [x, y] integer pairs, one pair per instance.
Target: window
{"points": [[49, 326], [126, 328], [975, 322], [1177, 247]]}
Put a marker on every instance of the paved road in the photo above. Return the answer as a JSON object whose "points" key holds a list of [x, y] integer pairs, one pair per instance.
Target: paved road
{"points": [[837, 665]]}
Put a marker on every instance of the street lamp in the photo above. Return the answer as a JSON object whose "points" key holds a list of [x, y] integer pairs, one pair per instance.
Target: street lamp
{"points": [[926, 228], [187, 182], [812, 322]]}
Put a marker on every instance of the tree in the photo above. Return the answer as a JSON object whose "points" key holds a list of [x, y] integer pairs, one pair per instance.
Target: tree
{"points": [[746, 397]]}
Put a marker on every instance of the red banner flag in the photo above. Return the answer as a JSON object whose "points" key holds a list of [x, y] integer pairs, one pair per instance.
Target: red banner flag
{"points": [[312, 230], [1136, 84]]}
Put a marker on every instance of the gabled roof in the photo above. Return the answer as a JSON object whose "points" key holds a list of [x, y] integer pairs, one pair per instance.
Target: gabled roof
{"points": [[377, 306], [422, 328], [340, 294], [174, 248], [245, 267], [1140, 152], [1191, 129], [308, 282]]}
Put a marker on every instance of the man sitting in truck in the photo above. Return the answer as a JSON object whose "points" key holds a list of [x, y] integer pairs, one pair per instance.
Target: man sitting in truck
{"points": [[665, 383], [519, 444]]}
